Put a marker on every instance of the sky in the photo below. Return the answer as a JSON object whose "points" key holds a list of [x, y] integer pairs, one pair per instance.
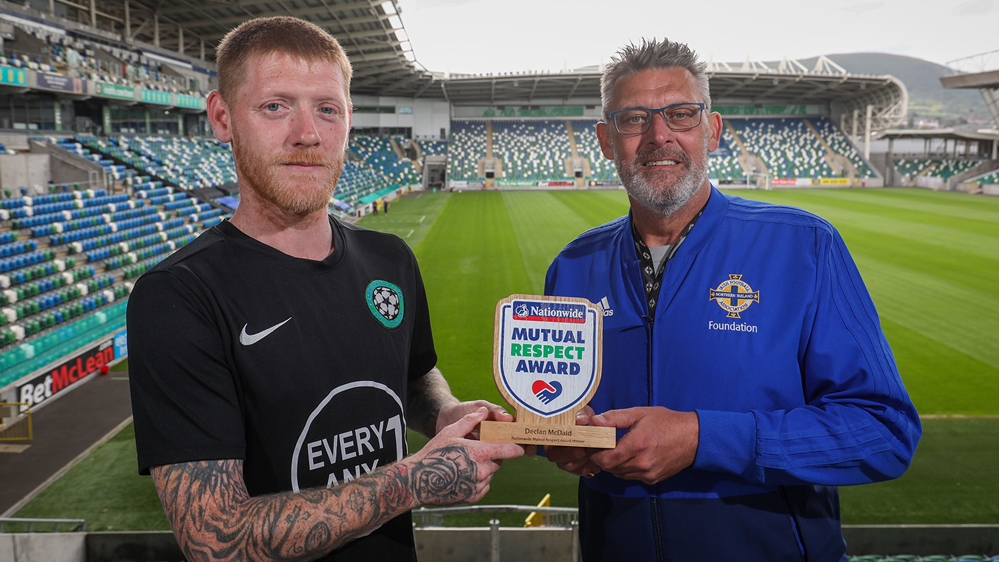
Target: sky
{"points": [[481, 36]]}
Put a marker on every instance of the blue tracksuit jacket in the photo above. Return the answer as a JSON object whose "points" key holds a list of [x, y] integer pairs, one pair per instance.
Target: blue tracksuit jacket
{"points": [[763, 327]]}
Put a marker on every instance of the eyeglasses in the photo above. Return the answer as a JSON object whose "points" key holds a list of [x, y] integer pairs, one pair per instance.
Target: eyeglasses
{"points": [[679, 117]]}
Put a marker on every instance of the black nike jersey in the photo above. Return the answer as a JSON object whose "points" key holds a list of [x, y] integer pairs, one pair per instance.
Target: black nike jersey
{"points": [[298, 367]]}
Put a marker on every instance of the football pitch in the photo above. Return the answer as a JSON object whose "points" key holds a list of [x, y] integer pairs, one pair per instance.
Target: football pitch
{"points": [[929, 259]]}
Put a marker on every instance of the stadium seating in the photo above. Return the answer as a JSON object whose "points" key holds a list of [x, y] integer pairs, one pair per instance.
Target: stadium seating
{"points": [[910, 169], [532, 150], [433, 148], [466, 147], [724, 164], [786, 146], [948, 168], [378, 154], [585, 137], [536, 150], [186, 163], [987, 179], [67, 261], [840, 144], [38, 48]]}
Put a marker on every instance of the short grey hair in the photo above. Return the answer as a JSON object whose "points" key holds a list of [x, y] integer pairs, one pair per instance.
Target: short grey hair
{"points": [[652, 55]]}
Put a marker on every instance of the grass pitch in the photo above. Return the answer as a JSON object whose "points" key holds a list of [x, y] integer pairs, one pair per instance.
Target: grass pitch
{"points": [[929, 260]]}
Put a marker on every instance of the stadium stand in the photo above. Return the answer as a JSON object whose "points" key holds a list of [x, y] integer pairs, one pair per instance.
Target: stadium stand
{"points": [[786, 146], [532, 150], [380, 154], [535, 150], [585, 137], [724, 166], [38, 48], [910, 169], [987, 179], [528, 150], [839, 144], [186, 163], [433, 148], [465, 148], [67, 262]]}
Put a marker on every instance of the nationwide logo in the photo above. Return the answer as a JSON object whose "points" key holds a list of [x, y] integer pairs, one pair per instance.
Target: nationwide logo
{"points": [[385, 301], [546, 391], [535, 311], [734, 295]]}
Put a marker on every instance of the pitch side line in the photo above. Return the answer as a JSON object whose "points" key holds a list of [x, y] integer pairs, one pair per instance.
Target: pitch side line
{"points": [[48, 482]]}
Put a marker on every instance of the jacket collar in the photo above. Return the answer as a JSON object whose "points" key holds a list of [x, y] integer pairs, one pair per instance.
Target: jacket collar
{"points": [[715, 211]]}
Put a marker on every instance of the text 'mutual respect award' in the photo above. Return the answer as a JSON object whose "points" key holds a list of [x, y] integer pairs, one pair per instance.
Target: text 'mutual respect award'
{"points": [[547, 365]]}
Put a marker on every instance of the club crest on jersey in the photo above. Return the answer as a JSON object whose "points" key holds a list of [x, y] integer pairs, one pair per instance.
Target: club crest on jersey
{"points": [[734, 295], [385, 301]]}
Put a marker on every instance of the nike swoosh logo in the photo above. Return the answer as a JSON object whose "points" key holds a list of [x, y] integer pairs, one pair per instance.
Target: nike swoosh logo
{"points": [[250, 339]]}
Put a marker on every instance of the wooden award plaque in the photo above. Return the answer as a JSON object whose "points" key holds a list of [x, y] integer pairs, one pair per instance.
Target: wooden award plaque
{"points": [[547, 365]]}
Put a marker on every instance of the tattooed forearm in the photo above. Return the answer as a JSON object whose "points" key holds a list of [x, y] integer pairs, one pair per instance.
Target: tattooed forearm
{"points": [[425, 397], [214, 518]]}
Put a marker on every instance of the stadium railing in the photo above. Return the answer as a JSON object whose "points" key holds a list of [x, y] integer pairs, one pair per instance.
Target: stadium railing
{"points": [[28, 525]]}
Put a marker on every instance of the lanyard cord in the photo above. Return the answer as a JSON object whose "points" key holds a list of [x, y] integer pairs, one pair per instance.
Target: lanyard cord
{"points": [[652, 276]]}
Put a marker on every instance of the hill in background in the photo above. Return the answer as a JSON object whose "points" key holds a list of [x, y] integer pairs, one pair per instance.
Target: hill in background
{"points": [[927, 96]]}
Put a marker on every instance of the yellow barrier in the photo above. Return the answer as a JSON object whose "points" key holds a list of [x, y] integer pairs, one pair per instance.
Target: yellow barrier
{"points": [[536, 519], [13, 426]]}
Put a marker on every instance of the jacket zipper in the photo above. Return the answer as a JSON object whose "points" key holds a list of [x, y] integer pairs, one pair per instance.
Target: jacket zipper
{"points": [[654, 513], [795, 525]]}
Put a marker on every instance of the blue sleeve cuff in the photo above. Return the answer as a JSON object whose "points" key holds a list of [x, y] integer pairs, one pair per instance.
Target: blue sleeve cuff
{"points": [[727, 441]]}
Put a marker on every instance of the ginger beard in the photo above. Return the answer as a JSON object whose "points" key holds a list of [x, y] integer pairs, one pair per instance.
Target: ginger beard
{"points": [[658, 195], [290, 194]]}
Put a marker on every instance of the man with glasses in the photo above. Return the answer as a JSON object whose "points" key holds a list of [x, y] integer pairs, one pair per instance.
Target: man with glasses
{"points": [[744, 365]]}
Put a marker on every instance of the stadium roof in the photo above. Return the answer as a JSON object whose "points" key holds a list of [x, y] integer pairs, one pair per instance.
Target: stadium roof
{"points": [[751, 82], [376, 42], [948, 134], [976, 80], [370, 31]]}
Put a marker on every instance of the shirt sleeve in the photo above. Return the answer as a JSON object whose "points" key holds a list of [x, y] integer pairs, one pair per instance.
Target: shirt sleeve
{"points": [[858, 424], [185, 403], [423, 357]]}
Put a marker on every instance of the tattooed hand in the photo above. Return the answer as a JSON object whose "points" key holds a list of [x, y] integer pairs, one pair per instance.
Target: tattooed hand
{"points": [[452, 469]]}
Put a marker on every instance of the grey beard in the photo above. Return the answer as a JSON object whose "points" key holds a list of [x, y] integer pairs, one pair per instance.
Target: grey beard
{"points": [[663, 200]]}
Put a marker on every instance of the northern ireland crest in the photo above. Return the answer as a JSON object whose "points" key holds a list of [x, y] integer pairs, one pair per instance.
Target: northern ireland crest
{"points": [[734, 295]]}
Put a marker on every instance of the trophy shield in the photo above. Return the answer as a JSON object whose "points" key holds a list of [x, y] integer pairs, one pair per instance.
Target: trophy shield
{"points": [[547, 365]]}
